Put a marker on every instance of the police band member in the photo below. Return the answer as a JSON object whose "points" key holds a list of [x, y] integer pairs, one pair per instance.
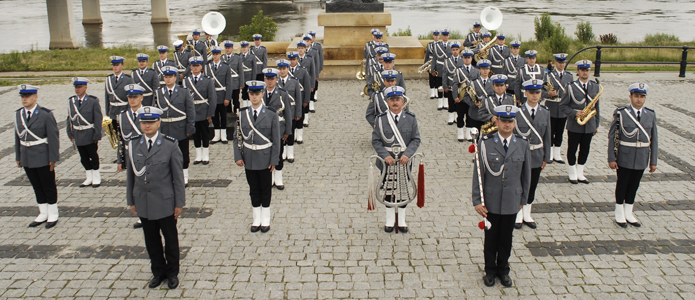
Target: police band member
{"points": [[308, 62], [181, 57], [313, 52], [179, 114], [156, 194], [533, 123], [234, 61], [466, 74], [248, 60], [479, 47], [258, 151], [497, 54], [376, 64], [315, 47], [163, 61], [451, 65], [209, 41], [84, 129], [302, 75], [487, 113], [377, 41], [559, 78], [512, 64], [636, 146], [377, 103], [529, 71], [147, 78], [278, 100], [130, 127], [221, 76], [115, 101], [579, 95], [389, 65], [505, 171], [429, 55], [395, 127], [36, 148], [483, 89], [261, 54], [202, 90], [199, 47], [442, 51], [294, 91], [473, 38]]}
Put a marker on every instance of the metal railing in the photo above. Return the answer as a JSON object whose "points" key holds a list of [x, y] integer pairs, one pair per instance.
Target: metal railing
{"points": [[597, 63]]}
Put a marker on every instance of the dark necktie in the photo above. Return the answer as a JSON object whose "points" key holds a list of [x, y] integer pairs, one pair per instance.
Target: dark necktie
{"points": [[142, 72], [484, 82], [149, 145], [292, 70], [505, 146], [500, 100], [195, 79], [533, 113], [638, 116], [584, 86], [456, 60], [28, 113], [116, 79], [215, 67], [134, 116], [170, 92], [255, 115], [396, 119], [468, 68], [79, 102]]}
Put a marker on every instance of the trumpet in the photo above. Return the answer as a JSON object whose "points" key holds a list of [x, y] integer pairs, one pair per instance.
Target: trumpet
{"points": [[361, 75], [110, 130], [590, 110], [426, 67]]}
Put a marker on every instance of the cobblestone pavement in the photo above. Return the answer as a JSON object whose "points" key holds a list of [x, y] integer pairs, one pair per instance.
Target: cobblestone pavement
{"points": [[325, 244]]}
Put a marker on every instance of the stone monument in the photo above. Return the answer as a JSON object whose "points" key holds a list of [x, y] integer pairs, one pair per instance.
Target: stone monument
{"points": [[337, 6]]}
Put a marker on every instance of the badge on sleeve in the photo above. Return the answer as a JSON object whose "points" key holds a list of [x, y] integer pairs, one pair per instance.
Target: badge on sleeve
{"points": [[159, 142]]}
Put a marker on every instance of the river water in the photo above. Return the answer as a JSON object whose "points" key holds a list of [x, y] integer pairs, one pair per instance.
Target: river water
{"points": [[24, 24]]}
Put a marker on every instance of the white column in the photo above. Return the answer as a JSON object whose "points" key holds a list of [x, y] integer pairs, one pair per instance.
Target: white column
{"points": [[61, 24], [160, 11], [91, 12]]}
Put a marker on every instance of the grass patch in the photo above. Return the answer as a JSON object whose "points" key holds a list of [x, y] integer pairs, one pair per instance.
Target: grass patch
{"points": [[72, 59]]}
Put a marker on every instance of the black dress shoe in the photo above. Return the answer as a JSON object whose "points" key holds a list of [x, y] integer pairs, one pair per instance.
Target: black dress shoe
{"points": [[213, 142], [173, 282], [505, 280], [489, 280], [585, 181], [388, 229], [265, 229], [635, 224], [280, 187], [255, 228], [115, 161], [531, 225], [156, 282], [517, 225], [96, 185], [137, 225], [450, 123], [196, 162], [51, 224], [224, 142], [205, 162], [402, 229], [623, 225], [290, 160], [440, 108], [85, 185], [460, 140], [573, 181], [299, 142], [559, 161], [35, 224]]}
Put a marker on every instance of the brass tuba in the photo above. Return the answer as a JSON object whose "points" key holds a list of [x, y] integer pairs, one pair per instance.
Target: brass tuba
{"points": [[426, 67], [590, 111], [482, 54], [466, 88], [362, 75], [491, 18], [110, 131]]}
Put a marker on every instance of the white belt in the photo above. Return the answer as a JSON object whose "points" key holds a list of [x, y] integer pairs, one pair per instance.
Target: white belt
{"points": [[259, 63], [147, 94], [496, 66], [118, 103], [390, 149], [162, 82], [180, 71], [196, 102], [33, 143], [635, 145], [83, 127], [558, 99], [169, 120], [258, 147], [235, 75], [536, 147], [282, 119], [221, 89], [511, 76]]}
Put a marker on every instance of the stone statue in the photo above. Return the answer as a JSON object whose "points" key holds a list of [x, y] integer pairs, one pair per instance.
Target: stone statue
{"points": [[336, 6]]}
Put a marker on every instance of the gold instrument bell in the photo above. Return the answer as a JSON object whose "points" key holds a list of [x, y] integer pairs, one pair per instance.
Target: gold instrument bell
{"points": [[110, 130]]}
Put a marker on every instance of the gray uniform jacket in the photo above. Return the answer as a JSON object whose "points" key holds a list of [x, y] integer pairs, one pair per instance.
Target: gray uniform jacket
{"points": [[497, 57], [319, 50], [507, 191], [472, 36], [201, 49], [559, 82], [575, 100], [511, 69], [369, 49], [28, 152], [89, 115], [248, 64], [179, 114], [279, 102], [305, 82], [429, 51], [460, 76], [450, 66], [407, 126], [314, 53], [400, 81], [308, 63], [221, 79], [116, 98], [441, 53], [486, 112], [291, 86], [633, 155], [377, 106], [237, 69], [265, 130], [130, 130], [181, 61], [261, 60], [157, 66], [539, 143], [150, 81], [527, 73], [203, 94], [155, 177], [482, 91], [373, 66]]}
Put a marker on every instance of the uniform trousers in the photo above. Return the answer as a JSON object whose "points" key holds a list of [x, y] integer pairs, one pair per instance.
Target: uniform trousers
{"points": [[461, 112], [219, 120], [313, 93], [627, 185], [473, 123], [578, 140], [147, 101], [164, 260], [438, 83], [202, 134], [450, 98], [245, 92], [557, 129], [185, 151], [535, 176], [281, 164], [43, 180], [300, 123], [432, 81], [498, 244], [235, 101], [260, 186], [290, 138], [89, 156]]}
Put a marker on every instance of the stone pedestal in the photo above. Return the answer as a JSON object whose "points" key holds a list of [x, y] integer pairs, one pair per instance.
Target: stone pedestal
{"points": [[61, 25], [160, 12], [91, 12]]}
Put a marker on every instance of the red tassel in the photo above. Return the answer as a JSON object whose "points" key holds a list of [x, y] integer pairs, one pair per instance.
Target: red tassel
{"points": [[421, 186], [370, 207], [471, 148], [481, 225]]}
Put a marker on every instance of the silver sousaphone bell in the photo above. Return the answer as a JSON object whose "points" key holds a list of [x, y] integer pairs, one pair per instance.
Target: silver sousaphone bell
{"points": [[213, 23]]}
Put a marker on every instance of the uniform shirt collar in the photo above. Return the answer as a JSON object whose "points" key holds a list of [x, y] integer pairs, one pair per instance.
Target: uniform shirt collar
{"points": [[83, 97], [270, 92], [258, 110], [284, 79], [163, 61], [30, 112], [641, 110], [395, 115], [153, 139], [529, 108], [509, 139]]}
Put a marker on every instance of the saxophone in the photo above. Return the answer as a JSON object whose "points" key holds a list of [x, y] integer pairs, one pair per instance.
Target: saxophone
{"points": [[590, 110]]}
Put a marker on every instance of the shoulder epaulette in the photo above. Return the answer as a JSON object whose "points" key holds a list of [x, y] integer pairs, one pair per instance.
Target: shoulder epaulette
{"points": [[284, 90], [45, 109], [243, 108], [543, 106], [19, 109], [93, 97], [126, 75], [649, 109], [124, 112], [271, 109], [382, 114], [488, 136], [520, 136], [134, 70], [410, 113], [170, 138]]}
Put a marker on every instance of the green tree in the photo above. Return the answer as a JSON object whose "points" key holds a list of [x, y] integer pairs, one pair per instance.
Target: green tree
{"points": [[261, 25], [584, 32], [544, 27], [558, 42]]}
